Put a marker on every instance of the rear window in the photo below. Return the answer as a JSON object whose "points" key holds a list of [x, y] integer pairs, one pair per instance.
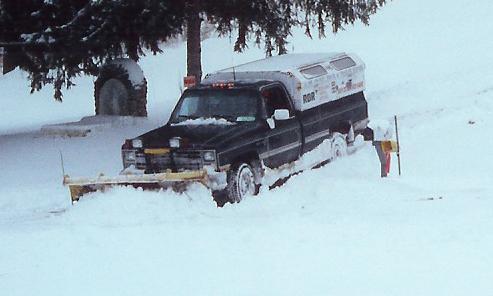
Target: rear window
{"points": [[343, 63], [313, 72]]}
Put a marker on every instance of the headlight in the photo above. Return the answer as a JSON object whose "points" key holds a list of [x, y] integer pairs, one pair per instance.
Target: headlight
{"points": [[130, 156], [137, 143], [209, 156], [174, 142]]}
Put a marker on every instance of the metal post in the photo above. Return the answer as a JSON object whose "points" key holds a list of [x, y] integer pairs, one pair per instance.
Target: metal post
{"points": [[398, 145], [61, 162]]}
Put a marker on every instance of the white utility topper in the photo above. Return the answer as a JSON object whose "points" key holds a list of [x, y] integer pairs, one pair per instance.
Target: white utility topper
{"points": [[311, 79]]}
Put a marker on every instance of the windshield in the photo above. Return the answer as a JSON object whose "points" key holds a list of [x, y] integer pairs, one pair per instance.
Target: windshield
{"points": [[233, 105]]}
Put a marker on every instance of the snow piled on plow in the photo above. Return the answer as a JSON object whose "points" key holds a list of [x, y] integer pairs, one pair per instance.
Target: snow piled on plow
{"points": [[336, 230]]}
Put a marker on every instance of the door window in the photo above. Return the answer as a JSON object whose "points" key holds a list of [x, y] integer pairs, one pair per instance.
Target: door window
{"points": [[275, 98]]}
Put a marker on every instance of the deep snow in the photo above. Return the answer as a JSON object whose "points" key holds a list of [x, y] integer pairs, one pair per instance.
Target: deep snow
{"points": [[339, 229]]}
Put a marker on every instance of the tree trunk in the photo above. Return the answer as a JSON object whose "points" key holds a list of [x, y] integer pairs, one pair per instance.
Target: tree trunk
{"points": [[8, 60], [194, 63]]}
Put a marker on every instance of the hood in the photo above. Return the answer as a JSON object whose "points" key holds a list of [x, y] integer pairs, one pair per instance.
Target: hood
{"points": [[198, 136]]}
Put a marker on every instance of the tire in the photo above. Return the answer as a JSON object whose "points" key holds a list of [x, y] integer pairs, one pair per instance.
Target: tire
{"points": [[121, 89], [338, 146], [241, 183]]}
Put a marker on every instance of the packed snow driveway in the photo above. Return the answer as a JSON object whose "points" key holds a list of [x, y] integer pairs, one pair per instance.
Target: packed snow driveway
{"points": [[338, 229]]}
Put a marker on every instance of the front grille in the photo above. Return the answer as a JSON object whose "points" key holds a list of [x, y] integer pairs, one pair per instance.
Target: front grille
{"points": [[176, 161], [140, 161]]}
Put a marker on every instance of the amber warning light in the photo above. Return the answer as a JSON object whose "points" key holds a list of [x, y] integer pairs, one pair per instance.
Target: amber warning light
{"points": [[189, 81]]}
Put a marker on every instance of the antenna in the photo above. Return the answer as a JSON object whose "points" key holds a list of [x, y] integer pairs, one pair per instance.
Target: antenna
{"points": [[232, 58]]}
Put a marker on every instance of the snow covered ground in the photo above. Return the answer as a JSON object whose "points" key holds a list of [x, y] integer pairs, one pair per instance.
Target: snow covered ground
{"points": [[337, 230]]}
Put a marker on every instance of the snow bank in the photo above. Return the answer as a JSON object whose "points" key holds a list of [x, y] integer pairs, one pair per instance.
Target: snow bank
{"points": [[89, 124], [135, 73]]}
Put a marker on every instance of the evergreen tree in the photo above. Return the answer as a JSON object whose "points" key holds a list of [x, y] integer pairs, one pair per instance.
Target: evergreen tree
{"points": [[56, 40]]}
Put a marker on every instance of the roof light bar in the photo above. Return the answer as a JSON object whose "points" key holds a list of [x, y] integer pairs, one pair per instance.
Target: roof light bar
{"points": [[223, 85]]}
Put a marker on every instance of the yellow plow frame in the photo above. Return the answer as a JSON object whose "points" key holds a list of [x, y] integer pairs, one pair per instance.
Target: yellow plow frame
{"points": [[80, 186]]}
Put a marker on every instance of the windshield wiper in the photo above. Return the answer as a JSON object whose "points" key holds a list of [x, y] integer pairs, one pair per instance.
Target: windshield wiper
{"points": [[186, 117], [227, 117], [181, 118]]}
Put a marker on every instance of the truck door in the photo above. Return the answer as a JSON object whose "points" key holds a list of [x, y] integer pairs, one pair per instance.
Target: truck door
{"points": [[284, 141]]}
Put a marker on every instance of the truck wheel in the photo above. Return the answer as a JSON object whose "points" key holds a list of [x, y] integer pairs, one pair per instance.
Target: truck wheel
{"points": [[121, 89], [338, 146], [241, 183]]}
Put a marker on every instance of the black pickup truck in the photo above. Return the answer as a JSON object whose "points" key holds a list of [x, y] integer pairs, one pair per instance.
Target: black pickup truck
{"points": [[235, 130]]}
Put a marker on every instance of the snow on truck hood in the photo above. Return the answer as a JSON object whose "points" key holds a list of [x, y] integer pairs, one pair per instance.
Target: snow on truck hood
{"points": [[204, 121], [198, 135]]}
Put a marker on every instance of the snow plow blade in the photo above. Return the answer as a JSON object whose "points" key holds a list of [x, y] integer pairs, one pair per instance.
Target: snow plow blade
{"points": [[80, 186]]}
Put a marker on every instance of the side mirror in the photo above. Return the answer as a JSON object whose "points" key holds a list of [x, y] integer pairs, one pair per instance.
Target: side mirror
{"points": [[281, 114]]}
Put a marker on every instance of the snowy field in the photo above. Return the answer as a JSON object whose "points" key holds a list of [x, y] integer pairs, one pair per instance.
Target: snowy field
{"points": [[337, 230]]}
